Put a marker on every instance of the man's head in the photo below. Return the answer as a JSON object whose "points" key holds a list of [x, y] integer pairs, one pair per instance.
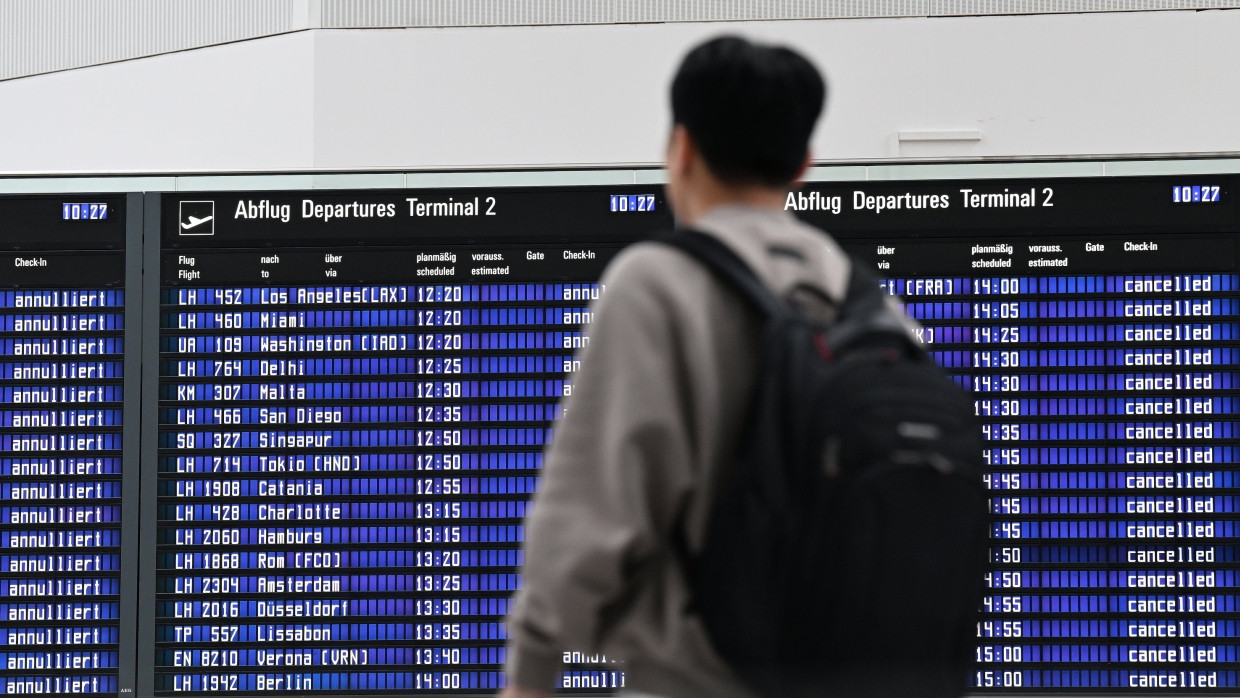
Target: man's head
{"points": [[747, 110]]}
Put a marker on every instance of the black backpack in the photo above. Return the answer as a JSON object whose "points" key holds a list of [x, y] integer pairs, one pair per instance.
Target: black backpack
{"points": [[846, 548]]}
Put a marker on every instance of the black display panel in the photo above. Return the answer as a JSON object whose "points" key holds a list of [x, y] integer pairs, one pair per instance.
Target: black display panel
{"points": [[1095, 322], [354, 388], [63, 444]]}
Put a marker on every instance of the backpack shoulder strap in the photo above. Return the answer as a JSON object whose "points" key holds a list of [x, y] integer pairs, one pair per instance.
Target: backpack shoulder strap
{"points": [[864, 295], [728, 267], [864, 308]]}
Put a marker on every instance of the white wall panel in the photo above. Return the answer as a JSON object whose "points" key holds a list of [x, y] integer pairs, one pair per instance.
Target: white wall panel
{"points": [[452, 13], [1041, 86], [349, 14], [41, 36], [492, 96], [245, 106], [1107, 85], [1045, 86]]}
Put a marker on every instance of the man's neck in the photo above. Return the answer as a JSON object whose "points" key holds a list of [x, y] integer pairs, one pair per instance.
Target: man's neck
{"points": [[708, 198]]}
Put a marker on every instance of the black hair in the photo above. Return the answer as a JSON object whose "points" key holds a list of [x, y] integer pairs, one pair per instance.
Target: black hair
{"points": [[749, 107]]}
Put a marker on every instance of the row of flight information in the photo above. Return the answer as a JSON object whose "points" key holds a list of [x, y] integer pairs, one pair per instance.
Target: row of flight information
{"points": [[284, 442]]}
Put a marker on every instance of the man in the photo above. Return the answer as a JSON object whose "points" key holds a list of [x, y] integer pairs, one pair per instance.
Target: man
{"points": [[663, 387]]}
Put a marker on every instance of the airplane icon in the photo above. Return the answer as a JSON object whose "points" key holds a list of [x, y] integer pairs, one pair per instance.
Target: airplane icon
{"points": [[197, 218], [195, 222]]}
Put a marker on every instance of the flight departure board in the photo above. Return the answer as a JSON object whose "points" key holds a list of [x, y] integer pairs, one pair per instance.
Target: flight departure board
{"points": [[354, 390], [284, 442], [63, 440], [1095, 324], [354, 394]]}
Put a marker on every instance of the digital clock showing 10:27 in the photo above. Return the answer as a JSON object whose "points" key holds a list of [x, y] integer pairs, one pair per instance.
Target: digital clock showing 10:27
{"points": [[632, 203], [84, 212], [1195, 194]]}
